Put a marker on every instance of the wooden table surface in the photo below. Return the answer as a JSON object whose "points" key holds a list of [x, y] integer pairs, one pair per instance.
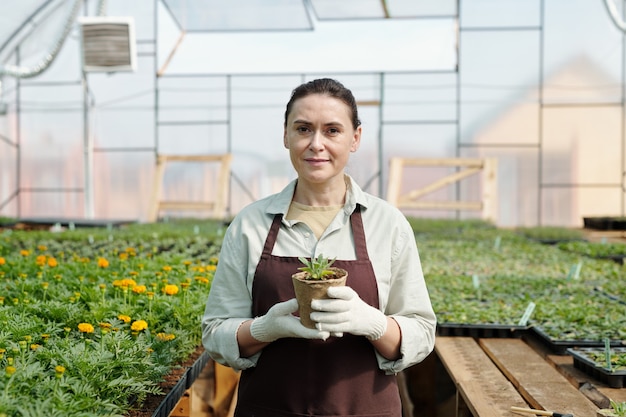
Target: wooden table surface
{"points": [[493, 374]]}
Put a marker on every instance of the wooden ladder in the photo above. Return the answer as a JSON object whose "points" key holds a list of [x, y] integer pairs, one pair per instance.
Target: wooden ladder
{"points": [[470, 166], [216, 208]]}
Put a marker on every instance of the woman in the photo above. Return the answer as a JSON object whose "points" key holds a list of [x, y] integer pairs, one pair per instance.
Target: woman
{"points": [[379, 324]]}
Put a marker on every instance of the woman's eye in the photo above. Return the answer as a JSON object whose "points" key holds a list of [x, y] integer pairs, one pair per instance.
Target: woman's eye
{"points": [[333, 131], [302, 129]]}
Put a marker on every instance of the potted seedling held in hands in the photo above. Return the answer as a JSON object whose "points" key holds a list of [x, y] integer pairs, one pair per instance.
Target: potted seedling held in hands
{"points": [[312, 282]]}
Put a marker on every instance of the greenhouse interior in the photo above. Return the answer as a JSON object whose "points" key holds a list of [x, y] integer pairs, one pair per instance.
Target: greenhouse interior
{"points": [[449, 154]]}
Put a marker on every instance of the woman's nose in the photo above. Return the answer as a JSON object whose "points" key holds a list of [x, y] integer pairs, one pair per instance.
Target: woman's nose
{"points": [[317, 141]]}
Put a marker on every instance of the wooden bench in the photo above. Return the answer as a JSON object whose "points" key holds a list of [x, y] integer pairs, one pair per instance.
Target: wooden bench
{"points": [[491, 375]]}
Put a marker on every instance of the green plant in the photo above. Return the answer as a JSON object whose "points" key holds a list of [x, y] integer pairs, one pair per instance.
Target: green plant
{"points": [[318, 268], [619, 408]]}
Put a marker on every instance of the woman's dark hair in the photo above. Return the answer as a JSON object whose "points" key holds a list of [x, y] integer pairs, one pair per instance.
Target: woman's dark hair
{"points": [[329, 87]]}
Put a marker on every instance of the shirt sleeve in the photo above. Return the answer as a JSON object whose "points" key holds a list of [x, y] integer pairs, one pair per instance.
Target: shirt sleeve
{"points": [[229, 303], [409, 303]]}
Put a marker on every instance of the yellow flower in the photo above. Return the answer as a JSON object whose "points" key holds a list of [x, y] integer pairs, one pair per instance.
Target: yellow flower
{"points": [[167, 268], [34, 346], [103, 263], [24, 252], [10, 370], [124, 283], [170, 289], [165, 337], [52, 262], [42, 248], [2, 261], [139, 325], [202, 280], [59, 371], [124, 318], [139, 289], [85, 328], [123, 256], [211, 268]]}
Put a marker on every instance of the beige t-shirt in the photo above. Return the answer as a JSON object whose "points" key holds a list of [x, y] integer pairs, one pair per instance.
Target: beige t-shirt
{"points": [[317, 218]]}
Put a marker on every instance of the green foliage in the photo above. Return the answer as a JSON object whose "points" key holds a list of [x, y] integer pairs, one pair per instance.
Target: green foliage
{"points": [[619, 408], [551, 233], [317, 268], [51, 284]]}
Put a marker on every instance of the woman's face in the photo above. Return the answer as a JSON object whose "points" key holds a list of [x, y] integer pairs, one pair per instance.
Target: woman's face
{"points": [[320, 137]]}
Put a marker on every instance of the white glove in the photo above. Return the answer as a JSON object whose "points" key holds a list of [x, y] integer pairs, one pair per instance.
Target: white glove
{"points": [[278, 323], [345, 312]]}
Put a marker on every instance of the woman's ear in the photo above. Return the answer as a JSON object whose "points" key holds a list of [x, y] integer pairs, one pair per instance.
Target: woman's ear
{"points": [[285, 141], [356, 139]]}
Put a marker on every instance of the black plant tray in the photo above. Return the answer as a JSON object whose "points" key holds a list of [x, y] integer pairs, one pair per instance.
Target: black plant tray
{"points": [[501, 331], [560, 347], [605, 223], [174, 395], [615, 379]]}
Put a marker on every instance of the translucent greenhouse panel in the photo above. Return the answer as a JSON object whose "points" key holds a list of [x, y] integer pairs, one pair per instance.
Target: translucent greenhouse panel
{"points": [[364, 164], [121, 89], [123, 184], [52, 163], [582, 145], [420, 97], [193, 99], [567, 206], [249, 92], [111, 134], [420, 141], [193, 139], [500, 13], [355, 9], [517, 177], [261, 164], [142, 11], [499, 99], [51, 205], [583, 65], [8, 179], [213, 15]]}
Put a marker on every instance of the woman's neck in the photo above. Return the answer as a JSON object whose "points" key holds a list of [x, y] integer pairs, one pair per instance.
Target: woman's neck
{"points": [[331, 193]]}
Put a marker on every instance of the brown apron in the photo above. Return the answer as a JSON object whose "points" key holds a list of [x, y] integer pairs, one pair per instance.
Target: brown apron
{"points": [[301, 377]]}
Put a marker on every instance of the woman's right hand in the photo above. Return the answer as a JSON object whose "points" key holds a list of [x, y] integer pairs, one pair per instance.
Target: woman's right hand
{"points": [[279, 322]]}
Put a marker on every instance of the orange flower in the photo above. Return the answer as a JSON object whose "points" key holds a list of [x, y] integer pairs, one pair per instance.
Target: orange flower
{"points": [[40, 260], [103, 263], [2, 261], [139, 289], [170, 289], [52, 262], [24, 252], [124, 283]]}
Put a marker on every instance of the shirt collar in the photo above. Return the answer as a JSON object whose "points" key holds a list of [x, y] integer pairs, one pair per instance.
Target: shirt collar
{"points": [[280, 202]]}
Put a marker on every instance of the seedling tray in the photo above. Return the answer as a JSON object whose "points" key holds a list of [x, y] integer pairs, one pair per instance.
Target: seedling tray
{"points": [[560, 347], [614, 379], [501, 331]]}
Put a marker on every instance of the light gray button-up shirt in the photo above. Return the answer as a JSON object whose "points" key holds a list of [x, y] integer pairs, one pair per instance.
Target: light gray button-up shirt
{"points": [[391, 247]]}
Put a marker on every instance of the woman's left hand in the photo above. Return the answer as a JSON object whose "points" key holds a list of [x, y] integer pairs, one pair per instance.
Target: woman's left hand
{"points": [[345, 312]]}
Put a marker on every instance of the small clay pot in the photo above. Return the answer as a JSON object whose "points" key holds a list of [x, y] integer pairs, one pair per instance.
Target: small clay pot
{"points": [[314, 289]]}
